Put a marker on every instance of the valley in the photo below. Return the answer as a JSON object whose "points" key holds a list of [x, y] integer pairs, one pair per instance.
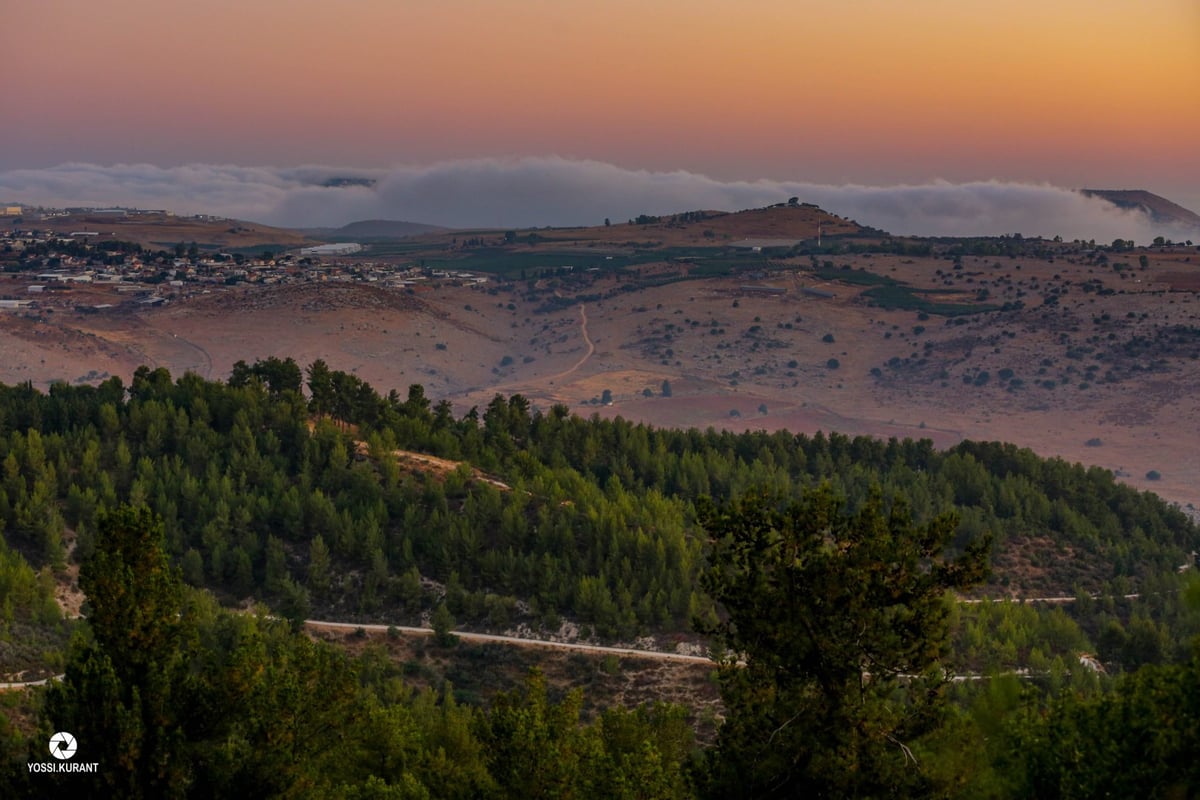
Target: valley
{"points": [[1077, 350]]}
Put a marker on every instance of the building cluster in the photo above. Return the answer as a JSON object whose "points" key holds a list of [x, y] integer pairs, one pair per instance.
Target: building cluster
{"points": [[44, 268]]}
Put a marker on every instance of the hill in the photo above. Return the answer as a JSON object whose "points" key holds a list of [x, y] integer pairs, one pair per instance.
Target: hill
{"points": [[1157, 208], [1053, 345], [154, 230], [783, 224], [599, 529], [489, 505], [372, 229]]}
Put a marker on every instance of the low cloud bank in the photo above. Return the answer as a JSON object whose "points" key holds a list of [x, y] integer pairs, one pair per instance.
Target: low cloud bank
{"points": [[526, 192]]}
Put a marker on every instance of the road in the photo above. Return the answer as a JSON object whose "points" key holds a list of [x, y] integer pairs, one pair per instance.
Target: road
{"points": [[515, 640], [27, 684], [628, 652], [1057, 600]]}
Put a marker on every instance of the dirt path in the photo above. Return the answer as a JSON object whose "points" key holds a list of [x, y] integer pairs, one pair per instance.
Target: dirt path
{"points": [[591, 346], [515, 386], [1055, 600], [514, 640], [205, 357]]}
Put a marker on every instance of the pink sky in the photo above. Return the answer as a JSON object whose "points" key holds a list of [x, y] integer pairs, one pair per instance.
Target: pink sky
{"points": [[1102, 93]]}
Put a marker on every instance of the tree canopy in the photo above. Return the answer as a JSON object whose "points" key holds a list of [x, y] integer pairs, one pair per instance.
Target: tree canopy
{"points": [[834, 625]]}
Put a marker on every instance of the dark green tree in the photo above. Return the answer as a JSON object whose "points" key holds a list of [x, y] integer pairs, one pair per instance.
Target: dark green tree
{"points": [[116, 697], [1137, 740], [834, 624], [320, 387]]}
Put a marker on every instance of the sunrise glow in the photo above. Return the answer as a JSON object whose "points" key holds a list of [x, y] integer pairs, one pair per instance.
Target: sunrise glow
{"points": [[1077, 93]]}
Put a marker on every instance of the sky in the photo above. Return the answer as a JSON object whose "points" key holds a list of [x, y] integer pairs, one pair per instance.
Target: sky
{"points": [[875, 94]]}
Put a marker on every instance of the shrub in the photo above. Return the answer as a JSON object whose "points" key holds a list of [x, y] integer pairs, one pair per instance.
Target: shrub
{"points": [[1153, 475], [1093, 442], [827, 338], [833, 363]]}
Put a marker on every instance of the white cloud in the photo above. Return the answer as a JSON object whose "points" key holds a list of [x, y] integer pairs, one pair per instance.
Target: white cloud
{"points": [[524, 192]]}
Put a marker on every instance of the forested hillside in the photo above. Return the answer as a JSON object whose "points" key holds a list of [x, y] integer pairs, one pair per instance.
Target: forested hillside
{"points": [[306, 503], [312, 492]]}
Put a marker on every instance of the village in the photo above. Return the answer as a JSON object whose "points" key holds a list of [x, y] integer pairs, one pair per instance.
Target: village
{"points": [[91, 270]]}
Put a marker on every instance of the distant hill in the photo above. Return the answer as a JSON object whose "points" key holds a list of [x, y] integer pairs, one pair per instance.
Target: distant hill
{"points": [[156, 229], [779, 225], [1157, 208], [373, 229]]}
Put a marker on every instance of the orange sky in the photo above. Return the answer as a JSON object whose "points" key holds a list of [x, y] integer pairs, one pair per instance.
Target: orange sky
{"points": [[1076, 92]]}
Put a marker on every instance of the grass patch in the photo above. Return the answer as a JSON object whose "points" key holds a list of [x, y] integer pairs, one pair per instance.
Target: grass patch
{"points": [[855, 277], [897, 296]]}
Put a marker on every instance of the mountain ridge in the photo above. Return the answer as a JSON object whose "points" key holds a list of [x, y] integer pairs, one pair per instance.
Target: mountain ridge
{"points": [[1158, 208], [374, 229]]}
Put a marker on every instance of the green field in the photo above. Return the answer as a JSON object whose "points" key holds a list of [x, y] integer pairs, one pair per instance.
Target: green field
{"points": [[897, 296]]}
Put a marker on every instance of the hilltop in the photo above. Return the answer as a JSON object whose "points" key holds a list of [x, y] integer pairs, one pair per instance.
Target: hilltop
{"points": [[1157, 208], [783, 224]]}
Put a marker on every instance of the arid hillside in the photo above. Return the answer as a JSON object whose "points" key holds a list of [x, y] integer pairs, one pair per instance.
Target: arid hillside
{"points": [[1077, 351], [155, 231]]}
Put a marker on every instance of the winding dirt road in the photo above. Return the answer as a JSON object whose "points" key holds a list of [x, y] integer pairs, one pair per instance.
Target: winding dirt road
{"points": [[591, 346]]}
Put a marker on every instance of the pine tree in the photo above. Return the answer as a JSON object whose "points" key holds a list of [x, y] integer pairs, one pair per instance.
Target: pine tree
{"points": [[840, 620]]}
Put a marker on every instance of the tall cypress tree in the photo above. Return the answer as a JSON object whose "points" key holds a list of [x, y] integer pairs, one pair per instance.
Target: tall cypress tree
{"points": [[117, 694]]}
